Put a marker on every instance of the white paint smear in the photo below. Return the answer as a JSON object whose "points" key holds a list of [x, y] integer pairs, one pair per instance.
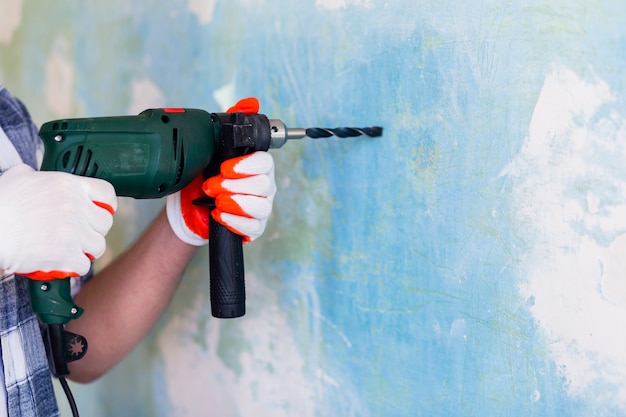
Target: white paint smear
{"points": [[341, 4], [570, 197], [145, 95], [225, 96], [60, 79], [203, 9], [272, 380], [10, 19]]}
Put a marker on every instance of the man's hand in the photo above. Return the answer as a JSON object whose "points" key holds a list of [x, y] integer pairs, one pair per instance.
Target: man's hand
{"points": [[53, 223]]}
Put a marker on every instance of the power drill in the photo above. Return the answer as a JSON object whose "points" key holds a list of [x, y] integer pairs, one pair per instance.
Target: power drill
{"points": [[151, 155]]}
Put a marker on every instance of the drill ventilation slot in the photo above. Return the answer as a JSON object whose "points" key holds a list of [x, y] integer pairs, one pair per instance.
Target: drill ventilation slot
{"points": [[181, 166], [80, 163], [179, 156], [55, 126], [175, 142]]}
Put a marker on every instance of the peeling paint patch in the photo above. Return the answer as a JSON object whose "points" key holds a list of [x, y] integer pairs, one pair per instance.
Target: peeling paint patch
{"points": [[225, 96], [60, 78], [274, 368], [569, 193], [341, 4], [613, 264], [203, 9], [10, 19], [145, 94]]}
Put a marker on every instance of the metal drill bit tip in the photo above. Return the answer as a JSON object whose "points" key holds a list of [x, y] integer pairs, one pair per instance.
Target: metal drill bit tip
{"points": [[344, 132]]}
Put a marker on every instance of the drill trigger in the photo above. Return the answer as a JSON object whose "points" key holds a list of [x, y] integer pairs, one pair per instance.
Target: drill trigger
{"points": [[204, 202]]}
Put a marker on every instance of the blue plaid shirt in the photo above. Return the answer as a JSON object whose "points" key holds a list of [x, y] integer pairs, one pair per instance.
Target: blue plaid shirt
{"points": [[26, 375]]}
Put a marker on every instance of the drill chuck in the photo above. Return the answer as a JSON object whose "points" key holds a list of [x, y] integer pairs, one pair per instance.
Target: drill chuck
{"points": [[280, 133]]}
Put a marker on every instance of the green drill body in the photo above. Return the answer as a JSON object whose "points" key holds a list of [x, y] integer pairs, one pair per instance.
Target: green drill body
{"points": [[150, 155]]}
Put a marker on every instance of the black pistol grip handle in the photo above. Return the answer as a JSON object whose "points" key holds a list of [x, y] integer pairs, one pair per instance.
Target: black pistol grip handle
{"points": [[227, 287], [240, 134]]}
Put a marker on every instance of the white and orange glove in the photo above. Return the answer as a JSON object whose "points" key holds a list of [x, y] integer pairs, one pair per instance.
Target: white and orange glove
{"points": [[244, 193], [52, 223]]}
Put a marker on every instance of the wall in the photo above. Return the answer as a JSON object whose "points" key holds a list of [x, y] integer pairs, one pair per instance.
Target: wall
{"points": [[469, 262]]}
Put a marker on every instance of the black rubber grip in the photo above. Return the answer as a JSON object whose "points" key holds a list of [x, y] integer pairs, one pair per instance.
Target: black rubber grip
{"points": [[228, 291], [239, 135]]}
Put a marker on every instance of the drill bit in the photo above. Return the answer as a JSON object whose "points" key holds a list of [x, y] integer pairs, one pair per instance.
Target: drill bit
{"points": [[280, 133], [343, 132]]}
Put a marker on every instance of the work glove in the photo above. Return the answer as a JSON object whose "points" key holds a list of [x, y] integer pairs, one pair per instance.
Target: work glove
{"points": [[52, 224], [244, 193]]}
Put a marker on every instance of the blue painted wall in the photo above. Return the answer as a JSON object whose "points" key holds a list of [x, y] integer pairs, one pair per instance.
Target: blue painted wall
{"points": [[467, 263]]}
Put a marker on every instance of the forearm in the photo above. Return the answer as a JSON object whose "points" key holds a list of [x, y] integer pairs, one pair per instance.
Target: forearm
{"points": [[124, 300]]}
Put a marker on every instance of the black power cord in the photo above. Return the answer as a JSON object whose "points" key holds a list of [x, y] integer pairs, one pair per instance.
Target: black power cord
{"points": [[70, 397], [63, 347]]}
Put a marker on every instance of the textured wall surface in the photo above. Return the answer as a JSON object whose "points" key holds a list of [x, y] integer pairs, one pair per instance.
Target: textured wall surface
{"points": [[470, 262]]}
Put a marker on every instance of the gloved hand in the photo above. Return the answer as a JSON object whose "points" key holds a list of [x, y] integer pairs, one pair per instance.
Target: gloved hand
{"points": [[244, 192], [53, 223]]}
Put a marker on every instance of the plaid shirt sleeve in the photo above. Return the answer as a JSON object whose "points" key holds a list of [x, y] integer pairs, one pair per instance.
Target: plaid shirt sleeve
{"points": [[26, 374], [19, 128]]}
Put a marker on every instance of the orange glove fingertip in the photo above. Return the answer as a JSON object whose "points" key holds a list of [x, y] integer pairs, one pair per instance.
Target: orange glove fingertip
{"points": [[227, 204], [213, 186], [249, 105], [228, 167], [217, 216]]}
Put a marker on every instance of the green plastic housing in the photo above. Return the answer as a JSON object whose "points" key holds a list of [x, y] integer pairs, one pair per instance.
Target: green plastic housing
{"points": [[150, 155], [52, 301]]}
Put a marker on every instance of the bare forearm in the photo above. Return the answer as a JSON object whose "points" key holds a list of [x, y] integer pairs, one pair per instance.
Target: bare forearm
{"points": [[124, 300]]}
